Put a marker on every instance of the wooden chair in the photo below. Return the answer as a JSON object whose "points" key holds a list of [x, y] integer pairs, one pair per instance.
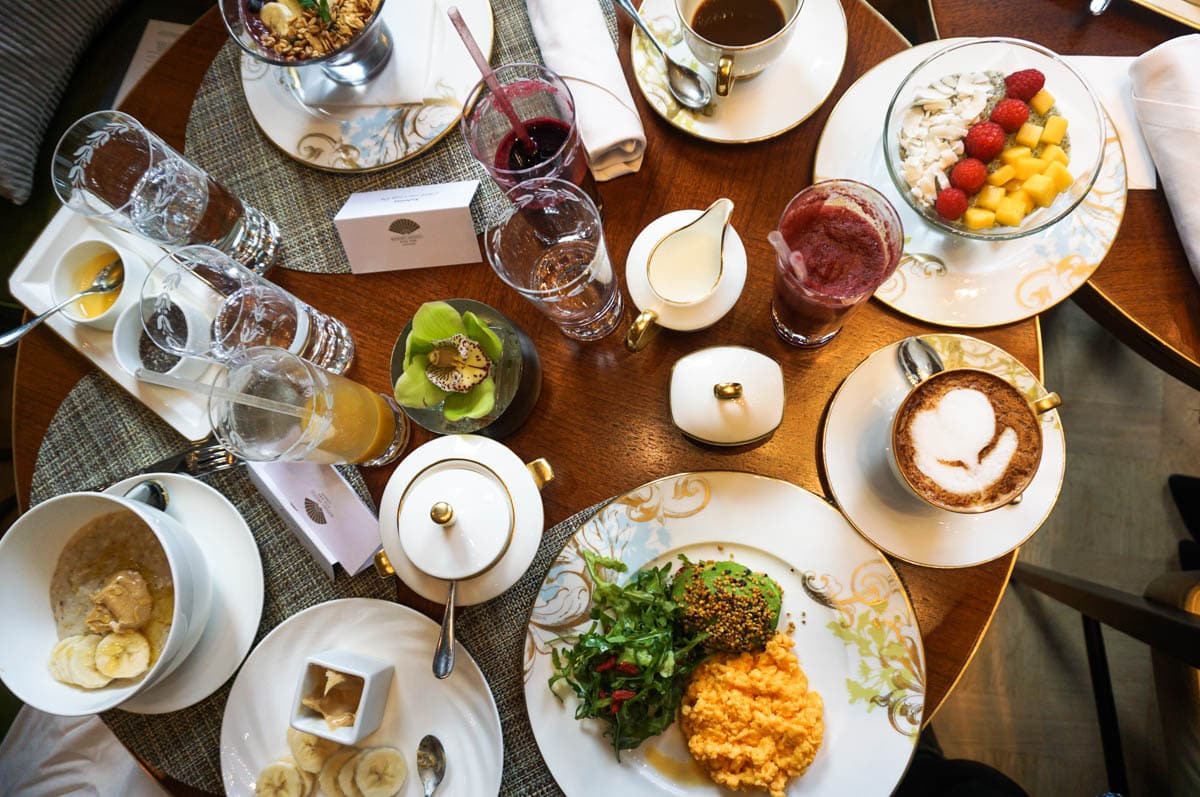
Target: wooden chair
{"points": [[1167, 618]]}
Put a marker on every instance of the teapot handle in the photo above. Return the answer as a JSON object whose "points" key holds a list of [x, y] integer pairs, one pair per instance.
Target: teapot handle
{"points": [[541, 471], [383, 567]]}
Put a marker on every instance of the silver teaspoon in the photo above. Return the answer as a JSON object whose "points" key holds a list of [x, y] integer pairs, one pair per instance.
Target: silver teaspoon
{"points": [[687, 86], [918, 360], [431, 763], [109, 279], [443, 655]]}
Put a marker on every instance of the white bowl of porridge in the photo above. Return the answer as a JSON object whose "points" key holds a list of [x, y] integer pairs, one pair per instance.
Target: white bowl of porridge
{"points": [[103, 597]]}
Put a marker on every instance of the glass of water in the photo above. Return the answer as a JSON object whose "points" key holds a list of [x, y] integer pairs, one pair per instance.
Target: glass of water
{"points": [[110, 167], [551, 249], [199, 302]]}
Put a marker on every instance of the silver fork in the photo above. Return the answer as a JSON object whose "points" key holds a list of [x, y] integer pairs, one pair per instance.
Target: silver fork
{"points": [[205, 459]]}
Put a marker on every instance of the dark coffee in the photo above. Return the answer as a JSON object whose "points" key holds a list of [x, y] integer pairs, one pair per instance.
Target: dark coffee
{"points": [[736, 23]]}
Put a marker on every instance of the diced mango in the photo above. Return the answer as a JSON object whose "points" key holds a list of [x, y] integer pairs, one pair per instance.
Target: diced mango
{"points": [[1027, 201], [1056, 128], [989, 198], [1042, 101], [1013, 154], [1029, 135], [1002, 175], [1053, 152], [1012, 185], [1027, 167], [1011, 211], [979, 219], [1059, 174], [1041, 189]]}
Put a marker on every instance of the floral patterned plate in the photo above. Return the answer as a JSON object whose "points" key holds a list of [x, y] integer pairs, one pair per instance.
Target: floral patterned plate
{"points": [[364, 139], [856, 449], [856, 635], [956, 281], [765, 106]]}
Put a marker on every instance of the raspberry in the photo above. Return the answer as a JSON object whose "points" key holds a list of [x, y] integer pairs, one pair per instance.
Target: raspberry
{"points": [[984, 141], [969, 174], [1024, 84], [1010, 114], [951, 203]]}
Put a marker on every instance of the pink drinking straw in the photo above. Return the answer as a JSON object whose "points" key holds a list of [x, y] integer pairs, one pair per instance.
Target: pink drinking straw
{"points": [[489, 77]]}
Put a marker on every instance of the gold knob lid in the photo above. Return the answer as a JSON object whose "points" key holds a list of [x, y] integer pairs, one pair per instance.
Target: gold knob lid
{"points": [[727, 390], [442, 513]]}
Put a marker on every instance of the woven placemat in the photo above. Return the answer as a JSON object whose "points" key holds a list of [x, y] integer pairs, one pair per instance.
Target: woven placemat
{"points": [[101, 434], [223, 138]]}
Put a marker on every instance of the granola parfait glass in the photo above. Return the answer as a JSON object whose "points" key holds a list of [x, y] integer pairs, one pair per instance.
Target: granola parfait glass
{"points": [[109, 167], [348, 39]]}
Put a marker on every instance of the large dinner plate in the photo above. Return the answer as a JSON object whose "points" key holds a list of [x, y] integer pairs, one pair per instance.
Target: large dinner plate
{"points": [[962, 282], [856, 635], [459, 710]]}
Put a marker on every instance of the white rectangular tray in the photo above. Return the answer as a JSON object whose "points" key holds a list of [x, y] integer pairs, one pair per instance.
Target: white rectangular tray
{"points": [[186, 412]]}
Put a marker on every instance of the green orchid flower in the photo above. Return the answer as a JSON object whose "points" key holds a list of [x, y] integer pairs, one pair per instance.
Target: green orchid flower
{"points": [[448, 361]]}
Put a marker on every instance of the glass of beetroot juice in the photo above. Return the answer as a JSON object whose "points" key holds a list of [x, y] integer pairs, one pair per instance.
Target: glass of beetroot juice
{"points": [[546, 108], [836, 244]]}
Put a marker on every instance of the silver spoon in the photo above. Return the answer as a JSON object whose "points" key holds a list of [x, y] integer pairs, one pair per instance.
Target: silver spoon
{"points": [[687, 86], [150, 492], [109, 279], [443, 655], [431, 763]]}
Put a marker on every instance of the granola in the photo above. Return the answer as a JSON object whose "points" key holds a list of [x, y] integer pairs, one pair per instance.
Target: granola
{"points": [[301, 30]]}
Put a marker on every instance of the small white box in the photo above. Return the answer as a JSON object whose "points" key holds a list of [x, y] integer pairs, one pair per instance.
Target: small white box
{"points": [[377, 682], [414, 227]]}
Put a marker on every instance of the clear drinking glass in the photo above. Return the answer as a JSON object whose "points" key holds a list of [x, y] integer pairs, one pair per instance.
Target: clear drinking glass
{"points": [[110, 167], [199, 302], [551, 249], [308, 414], [544, 104], [837, 242]]}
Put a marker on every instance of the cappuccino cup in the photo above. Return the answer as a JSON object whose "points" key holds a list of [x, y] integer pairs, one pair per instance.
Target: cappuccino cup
{"points": [[967, 440], [737, 39]]}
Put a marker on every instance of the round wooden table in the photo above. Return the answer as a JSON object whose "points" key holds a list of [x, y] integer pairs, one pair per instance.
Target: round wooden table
{"points": [[603, 418], [1144, 292]]}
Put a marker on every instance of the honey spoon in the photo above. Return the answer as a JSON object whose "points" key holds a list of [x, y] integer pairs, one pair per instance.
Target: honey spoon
{"points": [[109, 279], [687, 86]]}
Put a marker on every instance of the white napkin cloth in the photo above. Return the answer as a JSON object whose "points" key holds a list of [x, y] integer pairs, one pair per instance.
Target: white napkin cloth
{"points": [[1166, 96], [574, 41], [48, 756], [1109, 78]]}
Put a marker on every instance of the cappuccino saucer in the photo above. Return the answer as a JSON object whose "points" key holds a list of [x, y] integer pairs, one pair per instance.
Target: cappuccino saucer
{"points": [[785, 94], [237, 597], [856, 452]]}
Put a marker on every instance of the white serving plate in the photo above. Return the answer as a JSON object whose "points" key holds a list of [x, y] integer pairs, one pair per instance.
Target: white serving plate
{"points": [[186, 413]]}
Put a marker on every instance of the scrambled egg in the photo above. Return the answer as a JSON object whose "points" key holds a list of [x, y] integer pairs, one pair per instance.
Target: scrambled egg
{"points": [[751, 720]]}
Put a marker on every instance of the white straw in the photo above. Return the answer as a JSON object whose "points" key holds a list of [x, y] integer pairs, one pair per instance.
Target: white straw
{"points": [[203, 388]]}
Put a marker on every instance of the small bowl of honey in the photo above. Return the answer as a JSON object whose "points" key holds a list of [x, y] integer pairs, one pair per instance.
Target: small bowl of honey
{"points": [[77, 269]]}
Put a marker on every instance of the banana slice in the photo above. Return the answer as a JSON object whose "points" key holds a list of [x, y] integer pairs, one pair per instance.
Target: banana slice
{"points": [[380, 772], [345, 777], [281, 778], [329, 773], [59, 665], [277, 17], [293, 6], [81, 663], [125, 654], [309, 751]]}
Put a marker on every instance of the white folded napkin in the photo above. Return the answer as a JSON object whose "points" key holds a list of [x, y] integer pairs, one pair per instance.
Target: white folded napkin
{"points": [[574, 41], [1108, 75], [1166, 96]]}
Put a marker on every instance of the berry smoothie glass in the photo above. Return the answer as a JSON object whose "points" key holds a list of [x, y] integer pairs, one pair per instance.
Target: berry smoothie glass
{"points": [[836, 244]]}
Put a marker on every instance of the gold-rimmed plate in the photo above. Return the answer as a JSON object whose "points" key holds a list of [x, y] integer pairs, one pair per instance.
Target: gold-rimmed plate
{"points": [[954, 281], [366, 139], [856, 448], [856, 635], [781, 97]]}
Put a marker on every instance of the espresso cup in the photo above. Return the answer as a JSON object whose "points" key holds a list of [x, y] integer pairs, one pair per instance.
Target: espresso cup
{"points": [[968, 441], [723, 46]]}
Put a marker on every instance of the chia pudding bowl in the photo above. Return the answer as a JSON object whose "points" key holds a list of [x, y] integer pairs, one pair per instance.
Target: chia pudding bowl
{"points": [[1059, 132], [333, 33]]}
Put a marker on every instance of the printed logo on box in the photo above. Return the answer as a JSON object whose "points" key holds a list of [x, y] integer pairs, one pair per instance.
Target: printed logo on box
{"points": [[405, 230]]}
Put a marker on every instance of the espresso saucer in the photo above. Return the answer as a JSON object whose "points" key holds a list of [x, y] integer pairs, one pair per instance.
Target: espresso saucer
{"points": [[856, 451], [699, 315], [779, 98], [237, 599]]}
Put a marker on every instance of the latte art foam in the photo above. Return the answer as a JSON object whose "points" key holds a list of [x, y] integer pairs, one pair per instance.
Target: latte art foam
{"points": [[967, 440], [956, 445]]}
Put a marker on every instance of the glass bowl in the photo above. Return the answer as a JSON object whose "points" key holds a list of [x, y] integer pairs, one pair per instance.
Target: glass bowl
{"points": [[1073, 99], [355, 62]]}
